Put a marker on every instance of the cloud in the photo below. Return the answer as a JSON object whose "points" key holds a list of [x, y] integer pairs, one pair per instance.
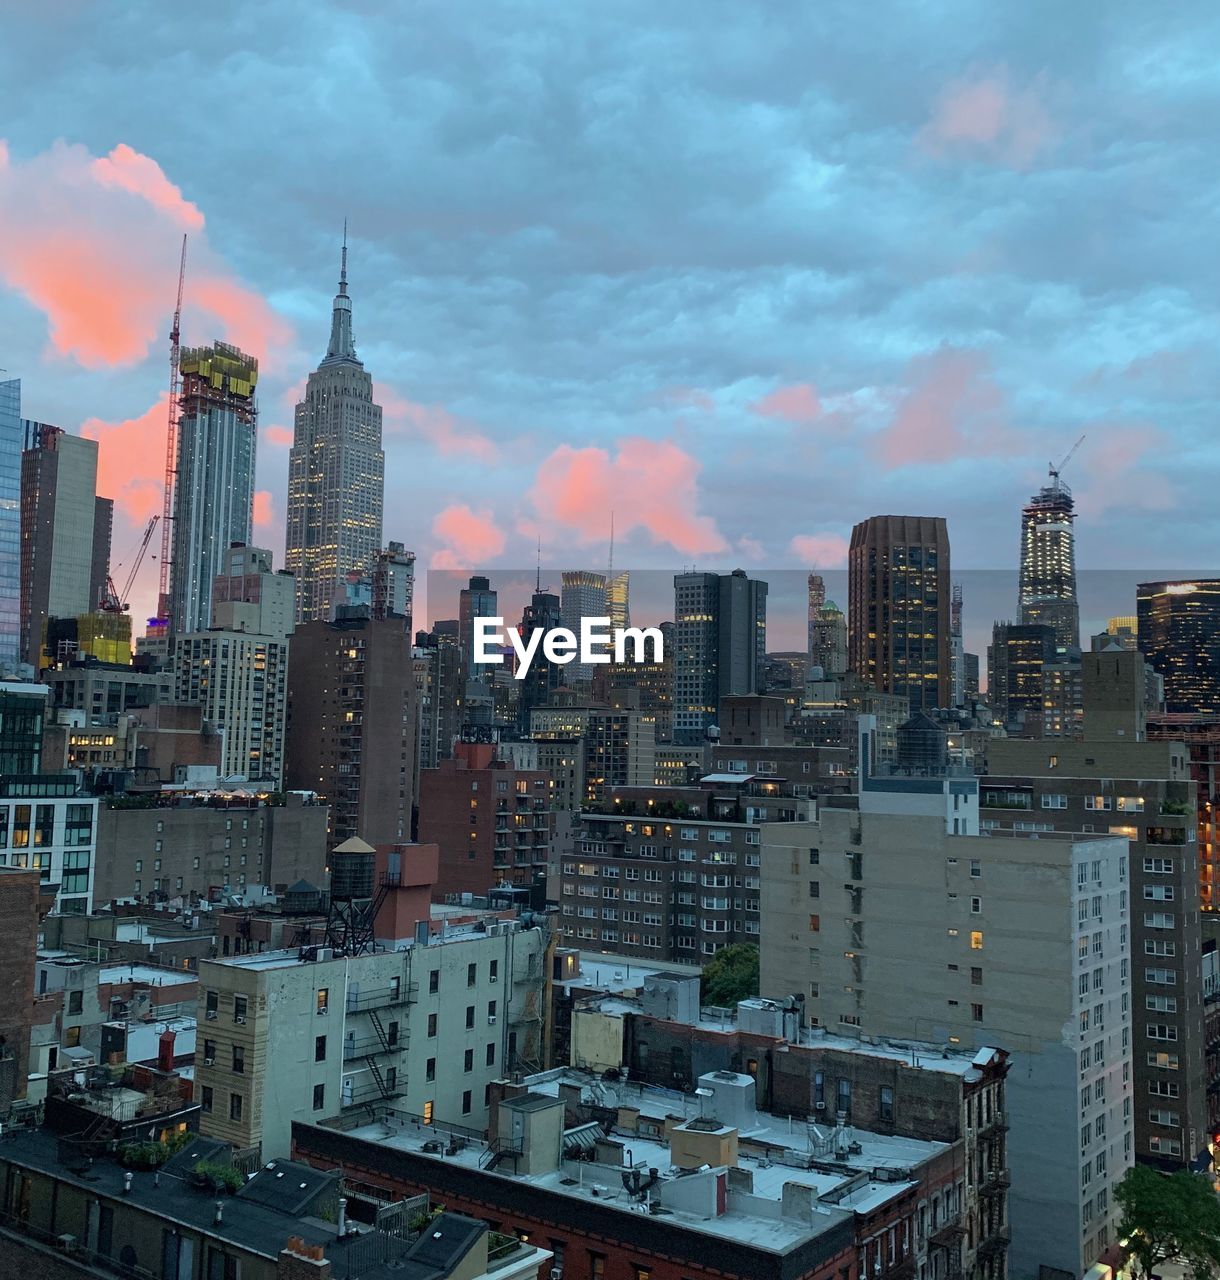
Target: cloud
{"points": [[131, 460], [649, 485], [1114, 472], [93, 243], [797, 403], [952, 409], [434, 423], [278, 437], [984, 114], [264, 510], [820, 550], [472, 538]]}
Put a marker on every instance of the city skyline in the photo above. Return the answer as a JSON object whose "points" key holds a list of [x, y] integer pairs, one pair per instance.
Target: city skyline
{"points": [[863, 350]]}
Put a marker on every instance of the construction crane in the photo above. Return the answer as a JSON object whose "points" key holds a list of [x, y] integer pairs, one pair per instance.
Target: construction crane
{"points": [[114, 602], [1071, 453], [171, 448]]}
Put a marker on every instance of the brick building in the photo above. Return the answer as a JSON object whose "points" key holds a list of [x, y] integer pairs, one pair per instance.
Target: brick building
{"points": [[492, 821], [621, 1182], [21, 905], [671, 873]]}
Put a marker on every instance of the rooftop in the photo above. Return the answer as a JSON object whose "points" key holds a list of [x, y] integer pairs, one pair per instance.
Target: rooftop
{"points": [[844, 1169]]}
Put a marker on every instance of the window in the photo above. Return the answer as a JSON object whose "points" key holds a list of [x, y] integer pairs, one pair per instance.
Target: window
{"points": [[976, 940], [468, 1061], [239, 1009], [976, 868], [815, 888], [76, 1002], [434, 982], [235, 1106], [491, 1055], [815, 857], [239, 1059], [319, 1097], [205, 1098], [472, 974], [431, 1025], [430, 1071], [976, 906], [1053, 801], [493, 971], [976, 1013], [319, 1048], [469, 1016], [429, 1108], [976, 976], [323, 1005], [466, 1102], [885, 1109]]}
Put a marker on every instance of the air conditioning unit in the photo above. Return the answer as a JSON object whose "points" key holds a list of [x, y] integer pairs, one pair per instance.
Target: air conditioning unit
{"points": [[241, 1022], [211, 1015], [323, 1011], [491, 1019], [819, 1106], [494, 978], [207, 1062]]}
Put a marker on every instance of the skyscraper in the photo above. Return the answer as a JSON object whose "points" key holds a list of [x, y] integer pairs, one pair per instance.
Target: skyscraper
{"points": [[720, 646], [1048, 562], [476, 600], [336, 472], [618, 602], [582, 595], [1179, 634], [10, 521], [64, 555], [214, 486], [543, 678], [827, 630], [898, 607]]}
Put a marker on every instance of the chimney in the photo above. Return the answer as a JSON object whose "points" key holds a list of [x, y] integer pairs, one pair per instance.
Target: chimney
{"points": [[165, 1051], [301, 1261]]}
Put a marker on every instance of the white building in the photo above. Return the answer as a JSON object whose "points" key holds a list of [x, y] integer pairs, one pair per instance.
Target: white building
{"points": [[424, 1031]]}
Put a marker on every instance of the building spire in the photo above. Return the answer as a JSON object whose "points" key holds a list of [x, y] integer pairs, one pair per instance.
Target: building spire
{"points": [[341, 346]]}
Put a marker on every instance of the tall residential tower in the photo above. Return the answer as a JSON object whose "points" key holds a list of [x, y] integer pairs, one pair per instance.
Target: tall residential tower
{"points": [[214, 490], [336, 472]]}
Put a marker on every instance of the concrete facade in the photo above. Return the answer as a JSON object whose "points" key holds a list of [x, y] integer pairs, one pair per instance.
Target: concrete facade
{"points": [[424, 1030], [886, 924], [177, 850]]}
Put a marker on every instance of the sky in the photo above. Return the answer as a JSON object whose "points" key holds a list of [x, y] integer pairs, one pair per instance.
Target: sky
{"points": [[742, 273]]}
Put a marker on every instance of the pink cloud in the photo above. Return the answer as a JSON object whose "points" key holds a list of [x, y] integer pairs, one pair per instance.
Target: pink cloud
{"points": [[471, 537], [126, 168], [434, 423], [820, 550], [982, 112], [952, 409], [93, 243], [264, 509], [797, 403], [278, 437], [1113, 471], [131, 460], [650, 485]]}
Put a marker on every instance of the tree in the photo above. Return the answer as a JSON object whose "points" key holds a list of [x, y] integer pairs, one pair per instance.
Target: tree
{"points": [[731, 975], [1169, 1218]]}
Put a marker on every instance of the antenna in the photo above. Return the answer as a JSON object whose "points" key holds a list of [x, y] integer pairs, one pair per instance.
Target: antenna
{"points": [[343, 266], [171, 449], [538, 573]]}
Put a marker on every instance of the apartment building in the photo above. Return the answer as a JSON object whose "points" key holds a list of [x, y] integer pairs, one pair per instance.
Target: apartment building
{"points": [[492, 821], [672, 873], [306, 1035], [175, 844], [621, 1181], [890, 915], [1142, 792], [46, 827]]}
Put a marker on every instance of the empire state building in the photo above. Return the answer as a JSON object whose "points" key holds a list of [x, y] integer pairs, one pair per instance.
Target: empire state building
{"points": [[336, 472]]}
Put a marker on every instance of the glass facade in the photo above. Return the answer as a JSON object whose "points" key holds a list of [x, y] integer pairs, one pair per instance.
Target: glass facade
{"points": [[1179, 634], [21, 720], [10, 520]]}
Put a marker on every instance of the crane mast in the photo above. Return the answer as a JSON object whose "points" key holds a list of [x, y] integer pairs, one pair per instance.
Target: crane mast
{"points": [[171, 450]]}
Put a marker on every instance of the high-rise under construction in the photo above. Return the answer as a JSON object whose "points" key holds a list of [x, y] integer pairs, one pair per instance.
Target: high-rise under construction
{"points": [[214, 487]]}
